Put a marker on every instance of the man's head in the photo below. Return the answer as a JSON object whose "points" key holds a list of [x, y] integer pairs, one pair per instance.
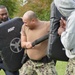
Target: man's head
{"points": [[30, 19], [3, 13]]}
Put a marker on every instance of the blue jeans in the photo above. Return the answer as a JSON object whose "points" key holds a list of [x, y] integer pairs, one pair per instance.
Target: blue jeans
{"points": [[8, 72]]}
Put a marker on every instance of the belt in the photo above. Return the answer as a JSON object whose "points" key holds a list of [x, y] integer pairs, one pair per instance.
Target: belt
{"points": [[45, 59]]}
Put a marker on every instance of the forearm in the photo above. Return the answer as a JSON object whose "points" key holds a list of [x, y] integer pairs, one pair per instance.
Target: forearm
{"points": [[68, 36], [23, 44], [68, 40]]}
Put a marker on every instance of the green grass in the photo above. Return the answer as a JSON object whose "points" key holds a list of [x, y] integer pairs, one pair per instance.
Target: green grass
{"points": [[2, 72], [60, 67]]}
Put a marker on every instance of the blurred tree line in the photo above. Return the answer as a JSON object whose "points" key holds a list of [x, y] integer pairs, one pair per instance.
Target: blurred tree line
{"points": [[18, 7]]}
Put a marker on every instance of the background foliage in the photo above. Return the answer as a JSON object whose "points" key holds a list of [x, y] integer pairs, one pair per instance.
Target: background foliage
{"points": [[41, 7], [11, 6]]}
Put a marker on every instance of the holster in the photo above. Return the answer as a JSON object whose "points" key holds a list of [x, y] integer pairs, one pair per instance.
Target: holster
{"points": [[25, 58]]}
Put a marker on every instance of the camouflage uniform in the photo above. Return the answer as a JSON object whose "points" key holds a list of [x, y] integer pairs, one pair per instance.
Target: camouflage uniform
{"points": [[36, 68], [70, 67]]}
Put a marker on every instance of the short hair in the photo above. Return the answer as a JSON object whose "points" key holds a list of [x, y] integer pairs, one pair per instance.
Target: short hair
{"points": [[2, 6], [31, 14]]}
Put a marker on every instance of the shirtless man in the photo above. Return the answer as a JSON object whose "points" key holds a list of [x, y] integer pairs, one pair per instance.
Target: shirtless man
{"points": [[38, 63]]}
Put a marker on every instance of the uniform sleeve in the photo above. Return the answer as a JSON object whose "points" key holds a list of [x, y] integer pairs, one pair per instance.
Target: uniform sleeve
{"points": [[68, 37]]}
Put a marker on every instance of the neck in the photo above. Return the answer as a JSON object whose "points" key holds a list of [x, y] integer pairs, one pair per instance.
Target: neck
{"points": [[38, 24]]}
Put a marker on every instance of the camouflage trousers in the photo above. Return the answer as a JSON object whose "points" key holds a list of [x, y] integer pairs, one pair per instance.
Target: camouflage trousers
{"points": [[70, 70], [36, 68]]}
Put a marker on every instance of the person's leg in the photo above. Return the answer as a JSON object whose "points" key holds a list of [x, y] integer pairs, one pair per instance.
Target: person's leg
{"points": [[70, 70], [27, 68], [7, 72], [11, 73], [1, 65], [45, 68]]}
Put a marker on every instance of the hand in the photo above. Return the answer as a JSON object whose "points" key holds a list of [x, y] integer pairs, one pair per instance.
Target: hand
{"points": [[62, 26], [61, 30], [63, 23], [28, 45]]}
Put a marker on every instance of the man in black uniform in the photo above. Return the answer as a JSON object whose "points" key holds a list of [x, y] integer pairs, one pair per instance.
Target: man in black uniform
{"points": [[4, 16]]}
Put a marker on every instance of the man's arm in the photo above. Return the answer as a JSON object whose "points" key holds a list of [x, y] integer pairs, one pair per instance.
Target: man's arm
{"points": [[24, 43], [68, 35]]}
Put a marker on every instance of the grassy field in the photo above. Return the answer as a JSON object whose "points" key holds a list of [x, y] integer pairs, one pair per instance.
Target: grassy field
{"points": [[1, 72], [60, 66]]}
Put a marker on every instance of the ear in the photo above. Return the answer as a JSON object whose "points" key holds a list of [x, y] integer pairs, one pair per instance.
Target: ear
{"points": [[33, 20]]}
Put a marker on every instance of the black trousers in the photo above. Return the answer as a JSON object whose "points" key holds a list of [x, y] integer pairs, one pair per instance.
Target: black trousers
{"points": [[7, 72]]}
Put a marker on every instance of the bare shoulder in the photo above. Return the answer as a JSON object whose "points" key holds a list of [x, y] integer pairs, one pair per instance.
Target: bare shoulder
{"points": [[46, 22], [47, 25]]}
